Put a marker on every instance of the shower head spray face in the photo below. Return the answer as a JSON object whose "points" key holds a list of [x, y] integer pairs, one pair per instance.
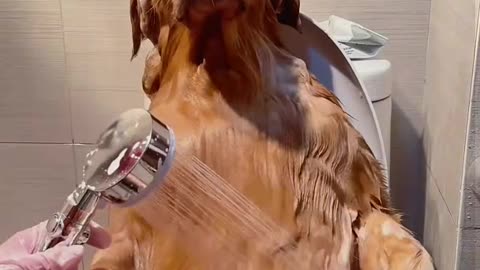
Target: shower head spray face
{"points": [[132, 157]]}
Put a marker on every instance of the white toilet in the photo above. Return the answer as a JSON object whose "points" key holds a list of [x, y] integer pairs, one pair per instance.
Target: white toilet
{"points": [[376, 77]]}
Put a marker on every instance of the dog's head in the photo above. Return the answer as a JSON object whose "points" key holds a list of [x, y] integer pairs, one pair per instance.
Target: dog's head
{"points": [[148, 16], [235, 34]]}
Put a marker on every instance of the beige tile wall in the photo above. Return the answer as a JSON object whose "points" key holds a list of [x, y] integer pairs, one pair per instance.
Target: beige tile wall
{"points": [[450, 65], [65, 71], [34, 102]]}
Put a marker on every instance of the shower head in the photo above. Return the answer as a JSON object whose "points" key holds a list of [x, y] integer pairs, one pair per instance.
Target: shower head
{"points": [[131, 158]]}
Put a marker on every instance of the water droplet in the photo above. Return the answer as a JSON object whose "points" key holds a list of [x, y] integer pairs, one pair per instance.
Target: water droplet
{"points": [[115, 164], [88, 163]]}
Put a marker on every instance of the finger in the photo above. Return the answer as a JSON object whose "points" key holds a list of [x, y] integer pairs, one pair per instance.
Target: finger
{"points": [[99, 237], [57, 258], [28, 239]]}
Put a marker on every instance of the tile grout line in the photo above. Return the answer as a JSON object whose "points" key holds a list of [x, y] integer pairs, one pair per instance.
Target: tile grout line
{"points": [[441, 195], [45, 143], [105, 90], [69, 100], [65, 71]]}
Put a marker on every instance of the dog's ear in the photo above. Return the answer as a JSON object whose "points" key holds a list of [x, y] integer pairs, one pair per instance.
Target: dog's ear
{"points": [[288, 12], [145, 23], [137, 35]]}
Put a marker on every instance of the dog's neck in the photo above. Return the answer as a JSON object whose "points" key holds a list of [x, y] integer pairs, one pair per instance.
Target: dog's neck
{"points": [[236, 61]]}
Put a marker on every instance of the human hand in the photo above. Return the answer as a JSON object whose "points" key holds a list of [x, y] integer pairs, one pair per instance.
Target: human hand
{"points": [[20, 252]]}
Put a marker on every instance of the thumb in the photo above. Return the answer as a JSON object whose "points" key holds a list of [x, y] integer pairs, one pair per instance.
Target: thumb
{"points": [[56, 258]]}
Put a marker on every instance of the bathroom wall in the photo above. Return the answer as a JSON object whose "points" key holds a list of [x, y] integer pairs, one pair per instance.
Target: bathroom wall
{"points": [[65, 72], [450, 65]]}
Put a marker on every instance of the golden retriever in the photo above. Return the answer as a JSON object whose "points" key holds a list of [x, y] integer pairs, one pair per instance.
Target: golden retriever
{"points": [[221, 79]]}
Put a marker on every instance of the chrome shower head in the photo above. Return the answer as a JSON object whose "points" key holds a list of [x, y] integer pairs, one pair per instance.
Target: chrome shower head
{"points": [[132, 157]]}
